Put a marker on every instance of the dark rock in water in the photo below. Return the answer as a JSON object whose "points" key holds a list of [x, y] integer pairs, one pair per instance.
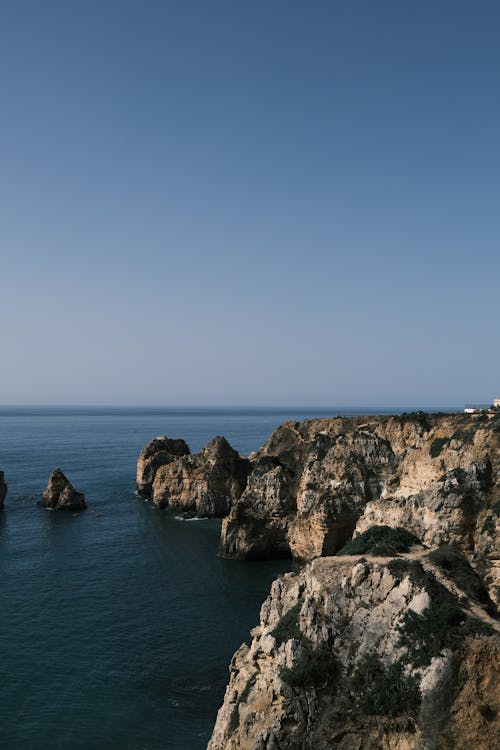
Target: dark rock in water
{"points": [[158, 452], [60, 494], [188, 515], [3, 489]]}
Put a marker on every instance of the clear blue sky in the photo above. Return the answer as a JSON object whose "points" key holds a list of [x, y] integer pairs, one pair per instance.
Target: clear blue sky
{"points": [[260, 202]]}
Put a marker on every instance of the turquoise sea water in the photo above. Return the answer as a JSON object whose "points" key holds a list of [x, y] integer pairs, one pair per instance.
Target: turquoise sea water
{"points": [[116, 630]]}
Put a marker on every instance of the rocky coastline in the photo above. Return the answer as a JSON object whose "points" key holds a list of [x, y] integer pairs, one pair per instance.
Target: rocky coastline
{"points": [[387, 636], [370, 646], [315, 484]]}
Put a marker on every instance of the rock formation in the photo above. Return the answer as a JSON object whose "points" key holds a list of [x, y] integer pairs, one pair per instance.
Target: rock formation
{"points": [[156, 453], [3, 489], [207, 483], [60, 494], [394, 644], [316, 483], [368, 653]]}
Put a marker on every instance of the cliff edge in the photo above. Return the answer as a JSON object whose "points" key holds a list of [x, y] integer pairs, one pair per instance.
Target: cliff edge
{"points": [[315, 483], [387, 638], [367, 653]]}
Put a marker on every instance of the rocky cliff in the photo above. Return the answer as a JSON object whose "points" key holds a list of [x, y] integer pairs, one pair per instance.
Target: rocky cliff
{"points": [[60, 494], [207, 483], [392, 644], [368, 653], [158, 452], [316, 483], [3, 489]]}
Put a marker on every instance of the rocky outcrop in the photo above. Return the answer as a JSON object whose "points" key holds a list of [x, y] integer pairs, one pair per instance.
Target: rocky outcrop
{"points": [[368, 652], [316, 483], [365, 654], [156, 453], [60, 494], [207, 483], [3, 489]]}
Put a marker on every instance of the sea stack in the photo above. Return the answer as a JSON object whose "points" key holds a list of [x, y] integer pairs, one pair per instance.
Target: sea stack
{"points": [[60, 494], [3, 489], [205, 484], [158, 452]]}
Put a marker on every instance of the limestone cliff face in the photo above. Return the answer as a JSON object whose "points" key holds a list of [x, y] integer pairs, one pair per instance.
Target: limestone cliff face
{"points": [[207, 483], [315, 483], [473, 719], [365, 654], [60, 494], [3, 489]]}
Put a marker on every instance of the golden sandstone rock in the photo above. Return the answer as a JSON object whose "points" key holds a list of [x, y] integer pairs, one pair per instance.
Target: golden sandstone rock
{"points": [[393, 648]]}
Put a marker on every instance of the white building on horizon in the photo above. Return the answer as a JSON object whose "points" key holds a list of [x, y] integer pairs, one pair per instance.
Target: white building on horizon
{"points": [[476, 408]]}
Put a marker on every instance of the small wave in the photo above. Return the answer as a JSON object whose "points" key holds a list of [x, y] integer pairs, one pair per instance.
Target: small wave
{"points": [[195, 518]]}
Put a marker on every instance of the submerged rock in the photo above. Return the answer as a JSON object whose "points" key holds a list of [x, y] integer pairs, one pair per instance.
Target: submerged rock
{"points": [[3, 489], [207, 483], [60, 494]]}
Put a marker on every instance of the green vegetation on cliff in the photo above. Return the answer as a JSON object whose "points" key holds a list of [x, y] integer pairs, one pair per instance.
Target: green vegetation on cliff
{"points": [[441, 626], [383, 690], [311, 667], [458, 568], [380, 540]]}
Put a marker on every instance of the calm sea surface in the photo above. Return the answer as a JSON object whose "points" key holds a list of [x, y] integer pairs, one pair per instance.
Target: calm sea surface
{"points": [[116, 630]]}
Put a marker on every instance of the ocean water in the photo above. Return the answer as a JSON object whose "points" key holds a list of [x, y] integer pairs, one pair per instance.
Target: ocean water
{"points": [[117, 625]]}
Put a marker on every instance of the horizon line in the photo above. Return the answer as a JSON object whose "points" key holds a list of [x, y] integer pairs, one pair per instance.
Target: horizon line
{"points": [[225, 406]]}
